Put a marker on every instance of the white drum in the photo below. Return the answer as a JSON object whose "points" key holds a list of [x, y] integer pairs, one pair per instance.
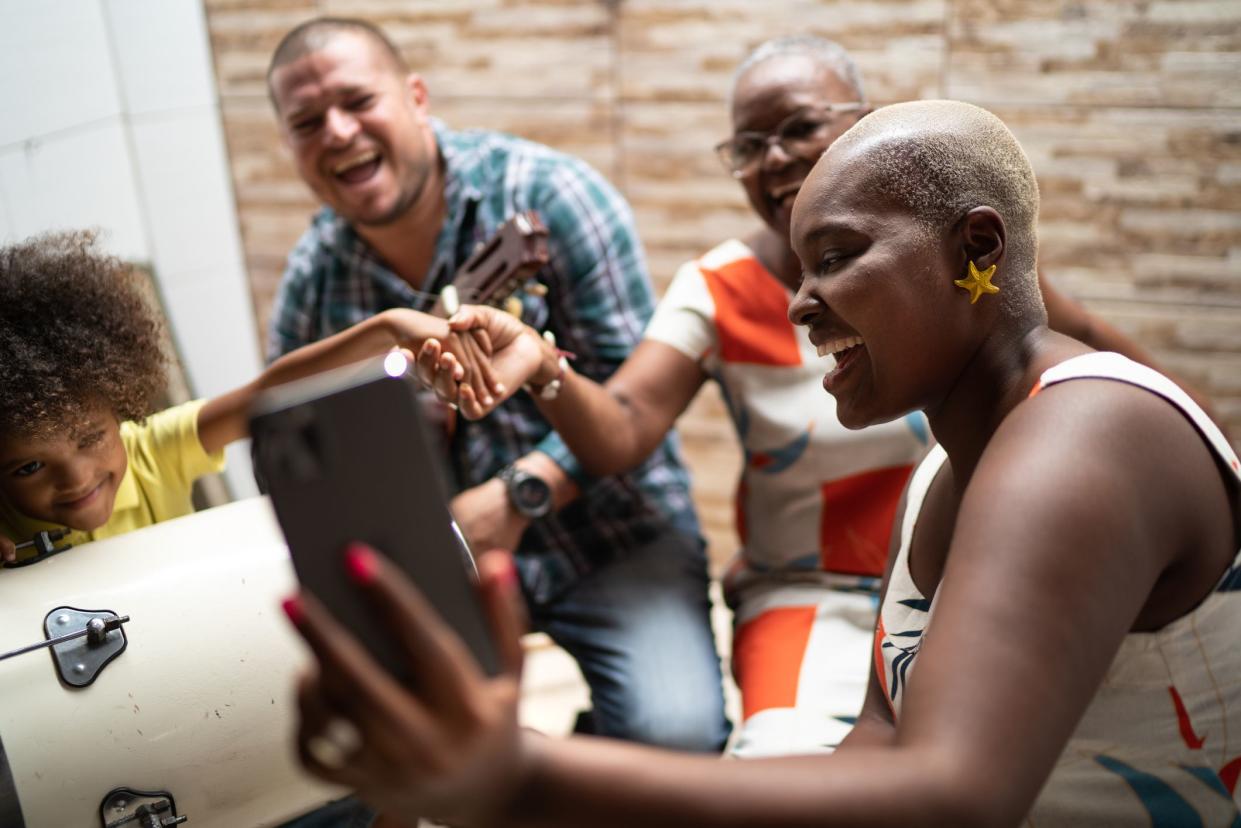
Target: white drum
{"points": [[198, 705]]}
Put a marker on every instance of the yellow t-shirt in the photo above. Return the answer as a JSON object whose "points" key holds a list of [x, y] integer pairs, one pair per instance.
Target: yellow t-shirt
{"points": [[165, 458]]}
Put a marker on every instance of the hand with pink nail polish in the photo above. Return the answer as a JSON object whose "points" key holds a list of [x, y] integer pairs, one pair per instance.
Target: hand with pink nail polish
{"points": [[449, 748]]}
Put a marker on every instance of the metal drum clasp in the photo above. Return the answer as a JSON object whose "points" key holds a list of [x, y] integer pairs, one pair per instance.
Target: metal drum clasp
{"points": [[82, 642], [80, 659], [129, 808]]}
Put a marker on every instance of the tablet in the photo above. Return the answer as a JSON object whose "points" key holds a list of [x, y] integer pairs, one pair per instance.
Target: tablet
{"points": [[347, 456]]}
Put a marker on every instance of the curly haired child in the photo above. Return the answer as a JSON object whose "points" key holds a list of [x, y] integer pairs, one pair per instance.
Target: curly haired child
{"points": [[82, 363]]}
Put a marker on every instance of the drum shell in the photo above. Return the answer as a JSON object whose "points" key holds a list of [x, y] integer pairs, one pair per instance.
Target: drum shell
{"points": [[201, 702]]}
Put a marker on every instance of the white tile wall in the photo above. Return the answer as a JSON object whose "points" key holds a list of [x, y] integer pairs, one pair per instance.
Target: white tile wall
{"points": [[82, 178], [6, 227], [109, 119], [212, 323], [162, 54], [55, 66], [214, 328], [184, 186]]}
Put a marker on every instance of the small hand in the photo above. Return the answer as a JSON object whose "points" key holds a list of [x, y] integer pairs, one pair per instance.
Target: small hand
{"points": [[450, 751], [455, 360], [459, 370], [518, 355], [8, 550], [487, 518]]}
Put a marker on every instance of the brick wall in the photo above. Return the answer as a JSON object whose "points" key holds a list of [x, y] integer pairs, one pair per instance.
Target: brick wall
{"points": [[1130, 112]]}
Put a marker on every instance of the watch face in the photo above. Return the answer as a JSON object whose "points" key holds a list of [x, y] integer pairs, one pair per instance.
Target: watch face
{"points": [[531, 495]]}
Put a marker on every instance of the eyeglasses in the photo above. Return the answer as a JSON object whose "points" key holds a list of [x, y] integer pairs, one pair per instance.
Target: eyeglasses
{"points": [[801, 135]]}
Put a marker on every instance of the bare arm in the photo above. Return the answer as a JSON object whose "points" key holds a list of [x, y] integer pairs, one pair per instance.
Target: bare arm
{"points": [[1045, 567], [224, 419], [610, 428], [613, 427]]}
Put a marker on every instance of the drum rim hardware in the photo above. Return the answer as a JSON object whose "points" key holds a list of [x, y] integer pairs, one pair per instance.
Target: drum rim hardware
{"points": [[82, 642], [45, 543], [79, 661], [140, 809]]}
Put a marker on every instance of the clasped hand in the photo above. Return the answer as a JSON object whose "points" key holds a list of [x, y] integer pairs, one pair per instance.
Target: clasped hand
{"points": [[486, 357]]}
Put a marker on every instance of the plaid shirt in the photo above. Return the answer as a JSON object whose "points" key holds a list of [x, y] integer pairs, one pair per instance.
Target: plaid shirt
{"points": [[598, 302]]}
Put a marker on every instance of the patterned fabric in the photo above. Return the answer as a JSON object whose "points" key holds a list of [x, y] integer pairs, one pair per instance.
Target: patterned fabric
{"points": [[801, 660], [165, 458], [599, 300], [814, 505], [1160, 744], [815, 501]]}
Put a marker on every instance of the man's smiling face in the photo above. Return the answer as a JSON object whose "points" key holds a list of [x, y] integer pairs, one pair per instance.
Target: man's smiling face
{"points": [[358, 129]]}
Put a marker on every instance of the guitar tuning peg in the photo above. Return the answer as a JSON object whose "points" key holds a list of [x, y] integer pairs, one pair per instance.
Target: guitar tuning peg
{"points": [[512, 306], [536, 288]]}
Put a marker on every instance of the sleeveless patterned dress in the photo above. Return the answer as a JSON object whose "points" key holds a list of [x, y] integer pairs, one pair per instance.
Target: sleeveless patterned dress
{"points": [[1160, 744]]}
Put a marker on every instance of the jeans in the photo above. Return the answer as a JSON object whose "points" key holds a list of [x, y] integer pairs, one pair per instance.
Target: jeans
{"points": [[640, 630]]}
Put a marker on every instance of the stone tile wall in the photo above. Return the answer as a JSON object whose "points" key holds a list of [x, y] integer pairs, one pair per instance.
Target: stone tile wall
{"points": [[1130, 111]]}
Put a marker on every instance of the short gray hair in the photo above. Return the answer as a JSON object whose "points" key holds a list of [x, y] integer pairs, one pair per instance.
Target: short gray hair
{"points": [[825, 53]]}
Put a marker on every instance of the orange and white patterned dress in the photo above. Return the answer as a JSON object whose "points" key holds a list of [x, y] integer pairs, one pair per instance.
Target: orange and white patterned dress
{"points": [[814, 505], [1160, 744]]}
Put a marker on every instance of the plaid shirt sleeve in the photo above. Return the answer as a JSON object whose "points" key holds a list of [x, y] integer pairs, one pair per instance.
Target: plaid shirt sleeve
{"points": [[606, 299], [292, 322]]}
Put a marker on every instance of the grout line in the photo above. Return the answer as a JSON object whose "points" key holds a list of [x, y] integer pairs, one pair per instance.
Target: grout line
{"points": [[58, 134], [131, 146]]}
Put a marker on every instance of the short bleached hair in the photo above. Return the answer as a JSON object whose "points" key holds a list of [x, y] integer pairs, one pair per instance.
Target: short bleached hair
{"points": [[941, 159]]}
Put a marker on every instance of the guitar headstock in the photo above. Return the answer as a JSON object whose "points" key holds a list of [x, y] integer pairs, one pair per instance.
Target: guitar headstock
{"points": [[503, 264]]}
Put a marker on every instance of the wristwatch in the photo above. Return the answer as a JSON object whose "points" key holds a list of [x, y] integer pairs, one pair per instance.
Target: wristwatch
{"points": [[529, 494]]}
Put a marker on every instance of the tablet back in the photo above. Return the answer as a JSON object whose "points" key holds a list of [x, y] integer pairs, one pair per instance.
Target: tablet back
{"points": [[347, 457]]}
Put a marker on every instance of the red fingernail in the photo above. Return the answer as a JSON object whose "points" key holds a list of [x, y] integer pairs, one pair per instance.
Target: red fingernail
{"points": [[361, 564], [293, 608]]}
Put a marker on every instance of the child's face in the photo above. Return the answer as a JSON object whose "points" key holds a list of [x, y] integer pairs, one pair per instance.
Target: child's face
{"points": [[69, 480]]}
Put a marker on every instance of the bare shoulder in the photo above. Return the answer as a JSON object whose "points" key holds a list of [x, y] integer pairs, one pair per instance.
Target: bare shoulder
{"points": [[1115, 463]]}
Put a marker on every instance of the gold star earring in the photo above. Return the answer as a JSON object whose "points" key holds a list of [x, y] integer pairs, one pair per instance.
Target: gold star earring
{"points": [[977, 283]]}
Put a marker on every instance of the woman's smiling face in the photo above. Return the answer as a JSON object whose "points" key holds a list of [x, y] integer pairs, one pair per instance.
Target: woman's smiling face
{"points": [[771, 95], [876, 293]]}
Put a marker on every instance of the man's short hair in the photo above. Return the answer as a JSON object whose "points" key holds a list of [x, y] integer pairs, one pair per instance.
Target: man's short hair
{"points": [[313, 35], [823, 52], [941, 159]]}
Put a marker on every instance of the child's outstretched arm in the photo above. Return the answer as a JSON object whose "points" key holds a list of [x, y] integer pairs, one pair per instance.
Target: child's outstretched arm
{"points": [[465, 355]]}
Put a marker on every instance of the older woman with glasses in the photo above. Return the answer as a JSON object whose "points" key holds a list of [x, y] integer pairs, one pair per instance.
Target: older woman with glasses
{"points": [[815, 502]]}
